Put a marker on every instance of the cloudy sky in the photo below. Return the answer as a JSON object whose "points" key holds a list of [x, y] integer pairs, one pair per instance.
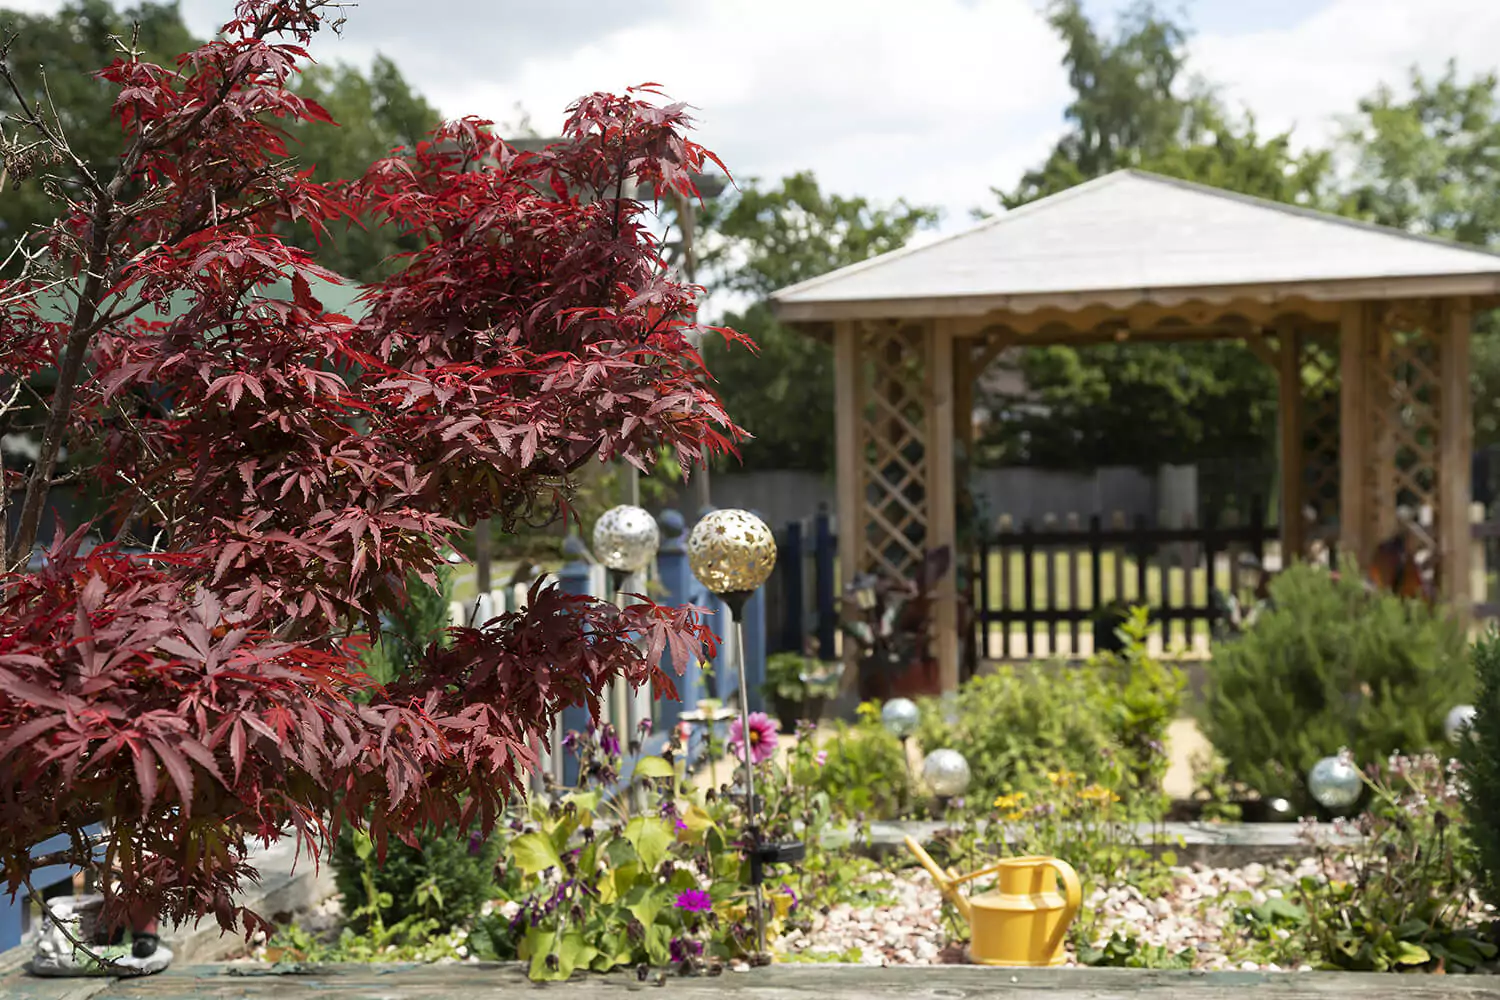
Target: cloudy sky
{"points": [[934, 100]]}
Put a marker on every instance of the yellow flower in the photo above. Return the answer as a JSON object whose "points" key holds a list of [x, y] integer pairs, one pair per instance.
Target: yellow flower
{"points": [[1098, 793], [1061, 778], [1010, 801]]}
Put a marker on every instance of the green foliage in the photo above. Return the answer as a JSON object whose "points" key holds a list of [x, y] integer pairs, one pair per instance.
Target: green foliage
{"points": [[1480, 755], [423, 621], [438, 885], [1399, 900], [1125, 950], [1330, 665], [1105, 720], [864, 771], [765, 238]]}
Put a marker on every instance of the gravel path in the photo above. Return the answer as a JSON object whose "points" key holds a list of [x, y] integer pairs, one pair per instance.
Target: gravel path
{"points": [[906, 929]]}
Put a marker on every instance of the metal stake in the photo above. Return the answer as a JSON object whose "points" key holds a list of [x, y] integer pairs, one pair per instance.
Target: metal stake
{"points": [[750, 802]]}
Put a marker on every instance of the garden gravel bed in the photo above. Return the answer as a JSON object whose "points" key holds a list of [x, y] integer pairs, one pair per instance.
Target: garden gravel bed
{"points": [[1197, 912]]}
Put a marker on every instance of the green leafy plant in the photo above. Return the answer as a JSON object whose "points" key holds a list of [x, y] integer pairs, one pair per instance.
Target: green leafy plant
{"points": [[1479, 752], [863, 770], [1124, 949], [1329, 665], [445, 878], [1403, 898], [1105, 721]]}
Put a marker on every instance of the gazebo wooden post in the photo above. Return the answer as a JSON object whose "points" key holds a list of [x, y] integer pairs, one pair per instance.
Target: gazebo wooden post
{"points": [[1354, 431], [1289, 415], [1455, 469], [848, 369], [942, 496]]}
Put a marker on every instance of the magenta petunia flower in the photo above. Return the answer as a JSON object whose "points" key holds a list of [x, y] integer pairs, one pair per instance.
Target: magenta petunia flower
{"points": [[762, 737], [694, 901]]}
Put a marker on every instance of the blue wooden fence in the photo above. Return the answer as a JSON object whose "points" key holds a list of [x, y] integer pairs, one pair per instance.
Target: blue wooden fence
{"points": [[801, 595]]}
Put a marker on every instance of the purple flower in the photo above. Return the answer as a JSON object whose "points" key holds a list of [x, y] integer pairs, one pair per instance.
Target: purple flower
{"points": [[476, 844], [821, 758], [763, 737], [643, 728], [682, 949], [793, 894], [681, 823], [693, 901], [570, 740], [608, 741]]}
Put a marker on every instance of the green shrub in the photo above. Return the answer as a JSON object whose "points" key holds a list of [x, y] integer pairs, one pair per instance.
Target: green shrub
{"points": [[446, 879], [863, 769], [1479, 753], [1105, 721], [1330, 665]]}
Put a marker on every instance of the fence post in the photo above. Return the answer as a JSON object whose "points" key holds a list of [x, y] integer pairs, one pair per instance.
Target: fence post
{"points": [[1096, 581], [789, 563], [575, 577], [753, 632], [1028, 585], [825, 548], [677, 580]]}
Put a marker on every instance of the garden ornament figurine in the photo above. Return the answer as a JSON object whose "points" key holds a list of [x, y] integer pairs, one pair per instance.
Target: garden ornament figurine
{"points": [[1024, 921], [75, 919]]}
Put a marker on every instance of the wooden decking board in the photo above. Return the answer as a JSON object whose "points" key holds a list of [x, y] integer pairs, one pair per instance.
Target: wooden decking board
{"points": [[786, 982]]}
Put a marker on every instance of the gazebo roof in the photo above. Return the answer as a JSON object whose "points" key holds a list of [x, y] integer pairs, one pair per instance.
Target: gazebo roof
{"points": [[1132, 238]]}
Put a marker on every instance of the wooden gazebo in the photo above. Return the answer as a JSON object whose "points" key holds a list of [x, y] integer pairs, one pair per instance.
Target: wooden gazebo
{"points": [[1367, 327]]}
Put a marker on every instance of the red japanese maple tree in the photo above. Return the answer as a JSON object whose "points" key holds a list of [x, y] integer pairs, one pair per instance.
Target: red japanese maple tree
{"points": [[290, 466]]}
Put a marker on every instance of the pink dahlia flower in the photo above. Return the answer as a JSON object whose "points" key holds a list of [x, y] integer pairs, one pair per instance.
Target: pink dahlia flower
{"points": [[762, 737]]}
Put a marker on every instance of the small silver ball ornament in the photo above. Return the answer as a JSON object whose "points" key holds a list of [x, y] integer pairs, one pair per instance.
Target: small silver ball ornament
{"points": [[626, 538], [1459, 719], [1335, 783], [946, 772], [900, 716]]}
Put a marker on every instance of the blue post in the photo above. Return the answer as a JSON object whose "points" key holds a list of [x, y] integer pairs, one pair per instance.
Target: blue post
{"points": [[13, 910], [754, 632], [677, 580], [793, 603], [825, 550], [573, 578]]}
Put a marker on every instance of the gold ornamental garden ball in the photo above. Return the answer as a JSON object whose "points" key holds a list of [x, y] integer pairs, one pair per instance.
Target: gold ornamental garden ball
{"points": [[625, 538], [731, 551]]}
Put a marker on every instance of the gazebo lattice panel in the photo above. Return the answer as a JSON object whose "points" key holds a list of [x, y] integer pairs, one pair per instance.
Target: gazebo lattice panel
{"points": [[893, 444], [1406, 393], [1318, 364]]}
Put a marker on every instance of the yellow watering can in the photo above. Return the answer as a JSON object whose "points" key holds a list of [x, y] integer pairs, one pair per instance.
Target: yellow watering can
{"points": [[1025, 921]]}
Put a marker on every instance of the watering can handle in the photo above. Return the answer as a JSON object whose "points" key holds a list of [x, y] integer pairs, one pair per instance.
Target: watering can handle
{"points": [[1072, 898]]}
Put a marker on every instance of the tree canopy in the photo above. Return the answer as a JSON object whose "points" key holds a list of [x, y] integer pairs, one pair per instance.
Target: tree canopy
{"points": [[763, 238]]}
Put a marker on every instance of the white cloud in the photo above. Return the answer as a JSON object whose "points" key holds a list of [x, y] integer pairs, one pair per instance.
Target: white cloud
{"points": [[1311, 73]]}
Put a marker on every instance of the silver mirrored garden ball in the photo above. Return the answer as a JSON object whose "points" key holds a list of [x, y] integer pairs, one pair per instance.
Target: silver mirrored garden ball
{"points": [[946, 772], [1335, 783], [626, 538], [900, 717], [1459, 719], [731, 551]]}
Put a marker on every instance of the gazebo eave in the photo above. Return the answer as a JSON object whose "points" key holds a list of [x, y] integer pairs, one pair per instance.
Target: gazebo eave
{"points": [[1473, 285]]}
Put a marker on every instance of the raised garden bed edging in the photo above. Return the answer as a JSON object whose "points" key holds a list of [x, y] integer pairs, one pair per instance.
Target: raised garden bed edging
{"points": [[779, 982], [1219, 845]]}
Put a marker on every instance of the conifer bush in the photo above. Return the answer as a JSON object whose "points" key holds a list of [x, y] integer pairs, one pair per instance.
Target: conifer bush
{"points": [[1332, 664], [1479, 754]]}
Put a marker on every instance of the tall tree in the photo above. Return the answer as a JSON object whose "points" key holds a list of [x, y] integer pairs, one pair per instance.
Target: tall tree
{"points": [[1133, 107], [302, 464], [765, 238], [1429, 161]]}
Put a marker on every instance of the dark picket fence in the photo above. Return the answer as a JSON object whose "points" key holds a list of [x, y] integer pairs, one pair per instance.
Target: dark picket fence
{"points": [[801, 594]]}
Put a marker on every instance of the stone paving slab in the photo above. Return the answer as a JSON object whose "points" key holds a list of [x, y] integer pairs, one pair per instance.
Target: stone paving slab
{"points": [[784, 982]]}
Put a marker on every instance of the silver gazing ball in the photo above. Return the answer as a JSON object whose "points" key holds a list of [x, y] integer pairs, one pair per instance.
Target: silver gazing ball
{"points": [[946, 772], [1459, 719], [626, 538], [900, 716], [1335, 783], [731, 551]]}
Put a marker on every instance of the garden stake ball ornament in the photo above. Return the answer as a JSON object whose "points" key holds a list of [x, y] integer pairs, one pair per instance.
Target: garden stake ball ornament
{"points": [[900, 716], [625, 539], [1335, 783], [1459, 719], [731, 552]]}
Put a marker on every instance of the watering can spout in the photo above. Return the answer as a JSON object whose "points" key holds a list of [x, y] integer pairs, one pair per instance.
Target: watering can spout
{"points": [[945, 883]]}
